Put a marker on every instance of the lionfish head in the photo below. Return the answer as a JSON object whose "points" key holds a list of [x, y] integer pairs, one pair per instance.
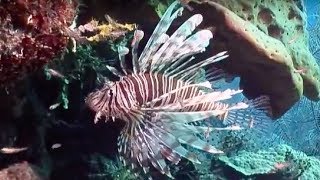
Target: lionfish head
{"points": [[98, 100]]}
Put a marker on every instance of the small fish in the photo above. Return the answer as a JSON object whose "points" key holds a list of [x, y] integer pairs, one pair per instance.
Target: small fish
{"points": [[56, 145], [301, 70], [55, 73], [12, 150], [54, 106], [278, 166]]}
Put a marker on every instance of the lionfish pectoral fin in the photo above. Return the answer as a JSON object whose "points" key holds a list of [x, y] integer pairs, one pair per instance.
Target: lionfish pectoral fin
{"points": [[215, 74], [250, 114], [146, 141], [112, 118], [180, 101], [202, 85], [187, 117], [97, 117], [211, 97], [188, 72], [186, 134], [176, 123], [197, 143]]}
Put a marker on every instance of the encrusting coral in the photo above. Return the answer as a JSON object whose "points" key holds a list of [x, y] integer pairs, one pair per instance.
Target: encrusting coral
{"points": [[280, 161]]}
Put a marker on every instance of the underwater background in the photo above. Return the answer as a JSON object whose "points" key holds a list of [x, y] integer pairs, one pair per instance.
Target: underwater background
{"points": [[54, 53]]}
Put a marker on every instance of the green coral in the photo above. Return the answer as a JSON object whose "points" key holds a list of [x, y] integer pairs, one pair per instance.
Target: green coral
{"points": [[80, 66], [108, 169], [281, 160], [68, 69]]}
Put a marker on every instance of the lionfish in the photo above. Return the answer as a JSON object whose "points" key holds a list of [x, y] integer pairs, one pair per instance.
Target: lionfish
{"points": [[162, 100]]}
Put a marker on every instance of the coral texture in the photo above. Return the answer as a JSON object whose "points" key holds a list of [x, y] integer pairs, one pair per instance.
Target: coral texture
{"points": [[281, 160], [31, 34], [268, 47], [22, 170]]}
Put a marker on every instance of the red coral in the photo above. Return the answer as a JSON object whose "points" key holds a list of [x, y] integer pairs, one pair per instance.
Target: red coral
{"points": [[32, 32]]}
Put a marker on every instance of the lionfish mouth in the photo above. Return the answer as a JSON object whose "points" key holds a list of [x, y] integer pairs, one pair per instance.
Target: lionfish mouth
{"points": [[175, 106]]}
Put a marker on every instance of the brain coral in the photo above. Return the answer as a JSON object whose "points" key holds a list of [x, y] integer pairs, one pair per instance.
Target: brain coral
{"points": [[268, 45], [31, 34]]}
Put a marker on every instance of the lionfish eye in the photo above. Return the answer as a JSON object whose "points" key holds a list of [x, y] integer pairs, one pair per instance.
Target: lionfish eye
{"points": [[110, 92]]}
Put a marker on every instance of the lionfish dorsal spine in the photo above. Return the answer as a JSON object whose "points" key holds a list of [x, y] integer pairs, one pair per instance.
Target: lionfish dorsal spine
{"points": [[172, 45], [160, 29], [138, 35], [122, 52]]}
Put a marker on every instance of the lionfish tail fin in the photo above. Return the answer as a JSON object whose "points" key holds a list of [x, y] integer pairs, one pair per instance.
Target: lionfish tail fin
{"points": [[256, 115]]}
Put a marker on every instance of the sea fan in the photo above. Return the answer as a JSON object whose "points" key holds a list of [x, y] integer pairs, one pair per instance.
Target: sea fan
{"points": [[162, 102]]}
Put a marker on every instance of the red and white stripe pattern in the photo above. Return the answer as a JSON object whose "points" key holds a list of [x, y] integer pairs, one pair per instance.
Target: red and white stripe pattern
{"points": [[164, 103]]}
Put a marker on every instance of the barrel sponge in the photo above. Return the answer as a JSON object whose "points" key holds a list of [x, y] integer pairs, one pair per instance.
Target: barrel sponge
{"points": [[284, 20], [268, 45]]}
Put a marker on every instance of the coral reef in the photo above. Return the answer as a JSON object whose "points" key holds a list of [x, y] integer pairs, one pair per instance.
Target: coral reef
{"points": [[108, 169], [277, 162], [32, 33]]}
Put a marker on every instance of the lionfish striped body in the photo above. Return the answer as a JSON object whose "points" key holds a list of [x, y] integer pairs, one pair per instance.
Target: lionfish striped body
{"points": [[162, 100]]}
